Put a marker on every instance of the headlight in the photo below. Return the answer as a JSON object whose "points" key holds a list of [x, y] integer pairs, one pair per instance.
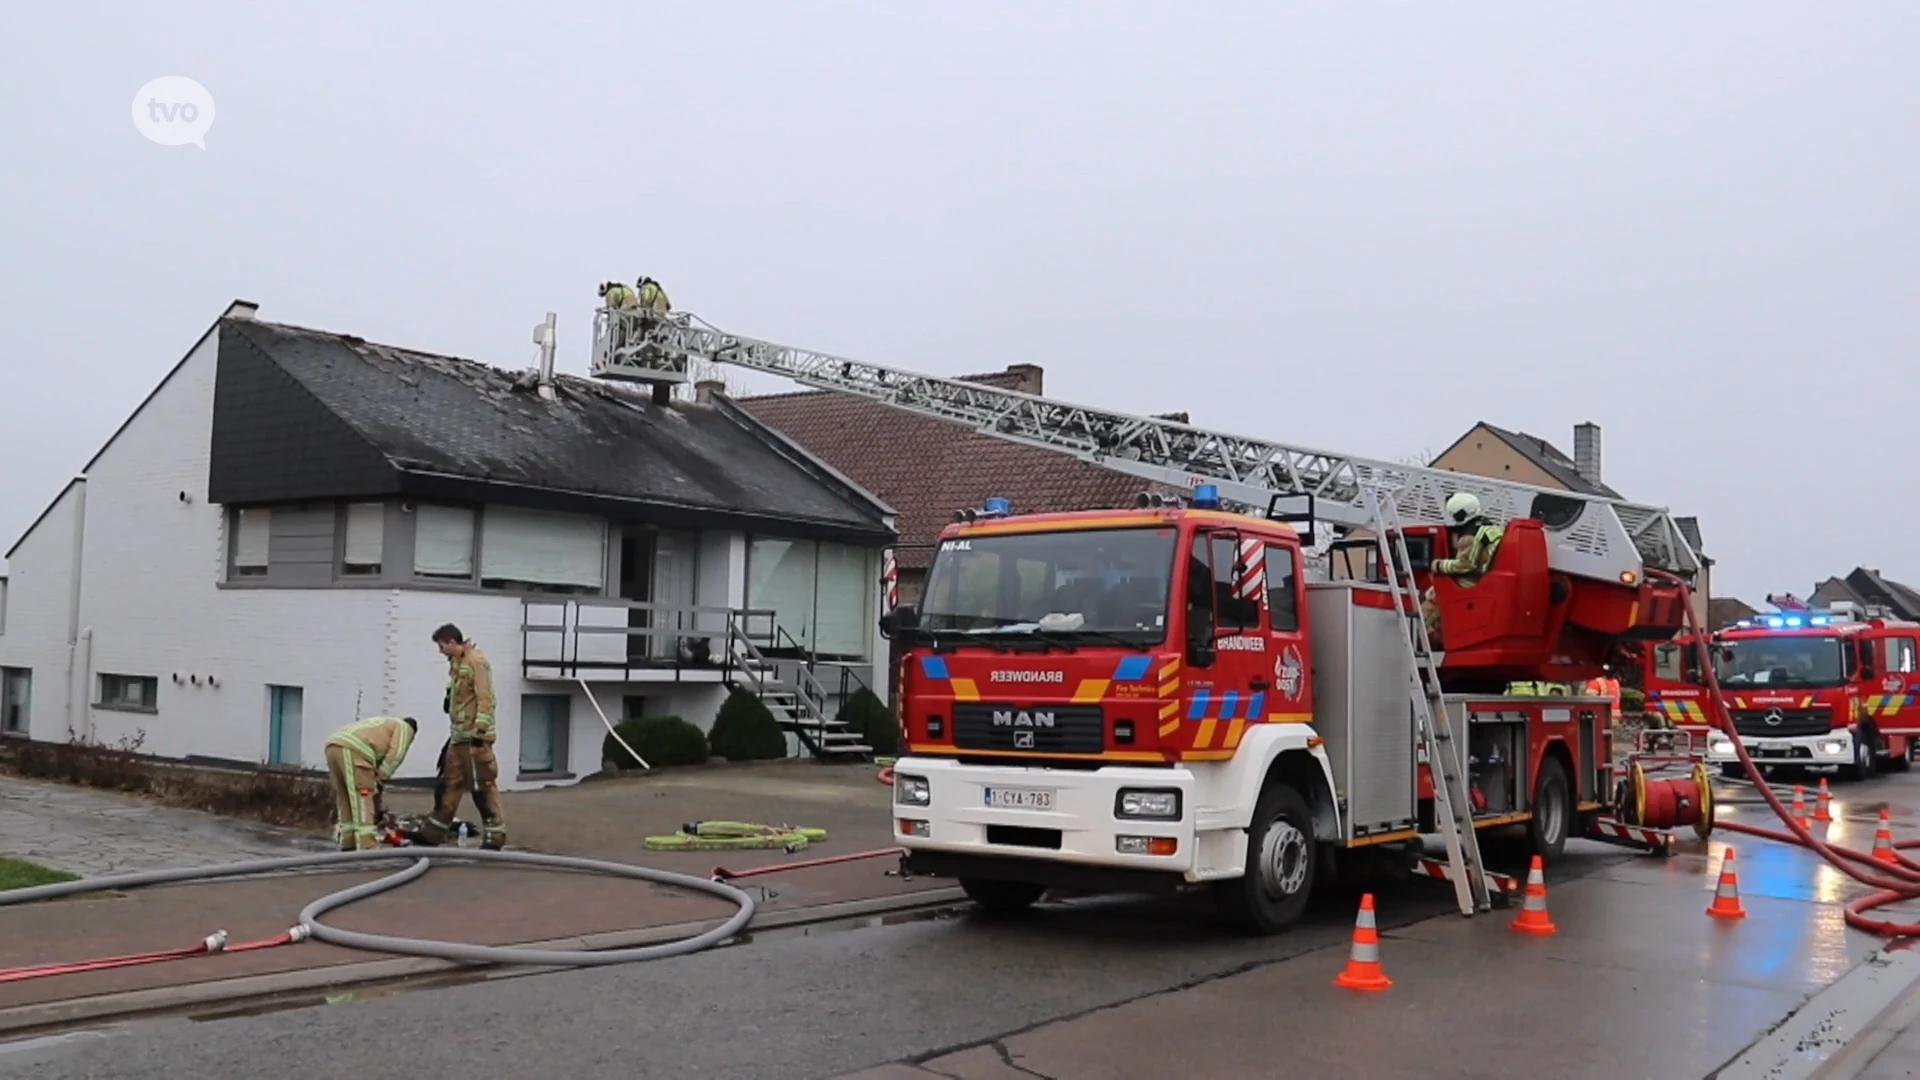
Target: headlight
{"points": [[1831, 748], [911, 790], [1159, 805], [1720, 744]]}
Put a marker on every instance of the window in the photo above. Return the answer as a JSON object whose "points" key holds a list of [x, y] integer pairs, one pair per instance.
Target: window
{"points": [[1900, 655], [365, 534], [1667, 662], [1213, 559], [16, 698], [544, 722], [134, 693], [1114, 580], [284, 706], [1792, 661], [3, 605], [548, 552], [843, 604], [443, 542], [1283, 598], [781, 577], [252, 534]]}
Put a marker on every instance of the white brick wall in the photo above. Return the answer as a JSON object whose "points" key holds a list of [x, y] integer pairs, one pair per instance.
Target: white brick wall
{"points": [[39, 594]]}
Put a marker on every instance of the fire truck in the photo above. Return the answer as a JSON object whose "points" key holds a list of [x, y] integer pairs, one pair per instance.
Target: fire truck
{"points": [[1211, 691], [1833, 687]]}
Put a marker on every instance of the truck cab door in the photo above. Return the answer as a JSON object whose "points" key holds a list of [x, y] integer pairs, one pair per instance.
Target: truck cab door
{"points": [[1290, 694], [1240, 676]]}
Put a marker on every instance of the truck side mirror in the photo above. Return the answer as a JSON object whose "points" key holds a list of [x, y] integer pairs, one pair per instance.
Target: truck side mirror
{"points": [[902, 618]]}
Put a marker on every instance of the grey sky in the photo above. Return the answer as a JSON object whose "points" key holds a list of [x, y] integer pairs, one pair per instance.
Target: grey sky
{"points": [[1357, 226]]}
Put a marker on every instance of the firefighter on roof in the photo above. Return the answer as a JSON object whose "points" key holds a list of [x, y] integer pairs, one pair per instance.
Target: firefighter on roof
{"points": [[466, 761], [653, 297], [361, 758], [1474, 540]]}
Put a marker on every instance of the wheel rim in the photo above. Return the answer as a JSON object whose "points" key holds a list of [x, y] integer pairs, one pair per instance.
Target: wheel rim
{"points": [[1553, 815], [1283, 860], [1862, 754]]}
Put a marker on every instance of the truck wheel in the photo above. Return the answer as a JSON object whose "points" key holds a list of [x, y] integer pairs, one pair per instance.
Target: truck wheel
{"points": [[1733, 770], [1001, 897], [1861, 768], [1552, 811], [1281, 859]]}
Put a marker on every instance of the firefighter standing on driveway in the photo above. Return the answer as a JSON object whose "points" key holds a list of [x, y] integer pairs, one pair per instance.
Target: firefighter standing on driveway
{"points": [[361, 758], [1468, 525], [467, 761]]}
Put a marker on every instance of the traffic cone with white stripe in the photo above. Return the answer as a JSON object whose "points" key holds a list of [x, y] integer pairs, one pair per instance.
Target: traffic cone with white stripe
{"points": [[1800, 804], [1726, 895], [1823, 808], [1533, 918], [1883, 839], [1363, 971]]}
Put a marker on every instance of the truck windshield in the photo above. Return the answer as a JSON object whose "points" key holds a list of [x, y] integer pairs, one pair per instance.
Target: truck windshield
{"points": [[1093, 583], [1786, 660]]}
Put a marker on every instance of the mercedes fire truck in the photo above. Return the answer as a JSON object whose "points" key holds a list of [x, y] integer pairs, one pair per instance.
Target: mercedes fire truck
{"points": [[1182, 694]]}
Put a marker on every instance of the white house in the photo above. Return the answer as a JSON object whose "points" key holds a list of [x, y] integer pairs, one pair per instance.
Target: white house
{"points": [[262, 552]]}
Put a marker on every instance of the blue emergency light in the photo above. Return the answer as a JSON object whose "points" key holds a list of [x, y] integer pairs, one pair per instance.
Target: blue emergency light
{"points": [[1789, 622], [1206, 497], [997, 507]]}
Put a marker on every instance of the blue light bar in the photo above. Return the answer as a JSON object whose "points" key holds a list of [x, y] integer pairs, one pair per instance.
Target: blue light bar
{"points": [[997, 507], [1776, 622], [1206, 497]]}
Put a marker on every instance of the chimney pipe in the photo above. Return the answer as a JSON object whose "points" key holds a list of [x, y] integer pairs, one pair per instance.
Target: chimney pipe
{"points": [[704, 390], [543, 336], [1586, 451], [1031, 378]]}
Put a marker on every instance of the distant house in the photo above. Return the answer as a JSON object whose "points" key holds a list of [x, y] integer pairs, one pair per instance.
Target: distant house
{"points": [[1727, 610], [1864, 587], [1495, 452], [263, 550], [926, 469]]}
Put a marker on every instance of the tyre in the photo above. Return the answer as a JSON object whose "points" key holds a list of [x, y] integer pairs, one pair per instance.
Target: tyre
{"points": [[1733, 770], [1281, 866], [1865, 742], [1001, 897], [1552, 811]]}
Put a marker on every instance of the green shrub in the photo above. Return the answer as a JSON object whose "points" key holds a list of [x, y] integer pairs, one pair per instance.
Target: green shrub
{"points": [[745, 730], [662, 740], [867, 715], [1632, 700]]}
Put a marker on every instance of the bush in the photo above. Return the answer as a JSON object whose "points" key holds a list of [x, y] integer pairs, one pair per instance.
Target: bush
{"points": [[745, 730], [867, 715], [274, 794], [662, 740], [1632, 700]]}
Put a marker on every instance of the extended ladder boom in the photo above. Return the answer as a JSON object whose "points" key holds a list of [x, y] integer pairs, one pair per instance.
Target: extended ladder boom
{"points": [[1589, 536]]}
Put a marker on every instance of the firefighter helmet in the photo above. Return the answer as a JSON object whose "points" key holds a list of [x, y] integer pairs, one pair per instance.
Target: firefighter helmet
{"points": [[1463, 508]]}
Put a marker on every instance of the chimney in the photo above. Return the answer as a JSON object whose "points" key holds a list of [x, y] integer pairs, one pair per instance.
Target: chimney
{"points": [[704, 390], [1030, 378], [1586, 451], [241, 309], [543, 336]]}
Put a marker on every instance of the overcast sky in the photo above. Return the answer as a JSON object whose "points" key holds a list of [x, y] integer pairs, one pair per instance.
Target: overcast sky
{"points": [[1355, 226]]}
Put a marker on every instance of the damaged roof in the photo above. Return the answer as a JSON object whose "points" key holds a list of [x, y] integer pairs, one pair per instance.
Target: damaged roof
{"points": [[377, 419]]}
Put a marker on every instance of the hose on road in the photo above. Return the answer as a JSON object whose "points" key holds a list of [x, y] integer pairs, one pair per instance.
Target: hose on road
{"points": [[1894, 881], [309, 924]]}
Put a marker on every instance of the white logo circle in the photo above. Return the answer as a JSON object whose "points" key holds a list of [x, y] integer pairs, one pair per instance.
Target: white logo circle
{"points": [[174, 110]]}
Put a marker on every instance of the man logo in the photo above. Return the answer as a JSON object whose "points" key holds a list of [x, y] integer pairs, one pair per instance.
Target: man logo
{"points": [[1021, 718]]}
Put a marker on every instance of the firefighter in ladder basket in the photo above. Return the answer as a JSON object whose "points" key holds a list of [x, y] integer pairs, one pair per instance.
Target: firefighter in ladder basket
{"points": [[1473, 540]]}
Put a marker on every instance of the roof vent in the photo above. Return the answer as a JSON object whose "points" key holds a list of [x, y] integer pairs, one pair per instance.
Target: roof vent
{"points": [[543, 336]]}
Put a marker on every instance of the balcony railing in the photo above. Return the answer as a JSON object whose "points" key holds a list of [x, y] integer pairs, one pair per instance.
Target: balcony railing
{"points": [[634, 640]]}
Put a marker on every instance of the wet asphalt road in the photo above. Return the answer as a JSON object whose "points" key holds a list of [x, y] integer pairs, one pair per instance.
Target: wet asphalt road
{"points": [[789, 1006]]}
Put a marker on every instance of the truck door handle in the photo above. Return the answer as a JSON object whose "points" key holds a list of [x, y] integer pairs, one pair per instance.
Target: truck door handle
{"points": [[1260, 684]]}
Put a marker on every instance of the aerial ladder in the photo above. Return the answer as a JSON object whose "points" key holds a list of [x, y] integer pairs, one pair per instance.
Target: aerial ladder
{"points": [[1611, 543]]}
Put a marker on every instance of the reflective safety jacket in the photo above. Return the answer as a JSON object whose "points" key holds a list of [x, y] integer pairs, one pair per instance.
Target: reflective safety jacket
{"points": [[653, 297], [1467, 566], [470, 696], [622, 296], [1539, 689], [382, 740]]}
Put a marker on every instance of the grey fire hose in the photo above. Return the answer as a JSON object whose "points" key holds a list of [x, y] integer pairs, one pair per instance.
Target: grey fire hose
{"points": [[310, 924]]}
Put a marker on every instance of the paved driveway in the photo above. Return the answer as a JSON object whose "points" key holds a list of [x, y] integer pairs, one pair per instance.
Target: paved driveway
{"points": [[93, 833]]}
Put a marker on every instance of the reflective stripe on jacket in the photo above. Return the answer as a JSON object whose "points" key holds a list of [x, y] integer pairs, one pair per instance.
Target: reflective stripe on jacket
{"points": [[382, 740], [1468, 565]]}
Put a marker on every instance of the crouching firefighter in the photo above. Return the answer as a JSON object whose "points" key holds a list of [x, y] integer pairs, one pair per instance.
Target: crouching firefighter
{"points": [[467, 763], [361, 758]]}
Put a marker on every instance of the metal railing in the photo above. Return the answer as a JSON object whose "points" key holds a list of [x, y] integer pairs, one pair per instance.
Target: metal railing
{"points": [[575, 637]]}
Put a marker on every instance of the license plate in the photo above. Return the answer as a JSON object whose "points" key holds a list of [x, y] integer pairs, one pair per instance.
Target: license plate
{"points": [[1020, 798], [1775, 747]]}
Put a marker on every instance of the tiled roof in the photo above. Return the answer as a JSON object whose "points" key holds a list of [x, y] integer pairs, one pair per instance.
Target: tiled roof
{"points": [[926, 469], [1549, 458], [430, 416]]}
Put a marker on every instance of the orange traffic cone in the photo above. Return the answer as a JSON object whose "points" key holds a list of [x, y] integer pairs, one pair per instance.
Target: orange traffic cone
{"points": [[1363, 971], [1533, 918], [1883, 839], [1823, 809], [1800, 803], [1726, 895]]}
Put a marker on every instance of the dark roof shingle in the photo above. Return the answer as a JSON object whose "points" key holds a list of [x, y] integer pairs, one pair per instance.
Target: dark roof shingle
{"points": [[926, 468], [1551, 461], [434, 414]]}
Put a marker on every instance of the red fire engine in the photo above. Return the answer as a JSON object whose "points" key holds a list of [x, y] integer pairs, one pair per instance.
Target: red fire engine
{"points": [[1831, 687], [1185, 694]]}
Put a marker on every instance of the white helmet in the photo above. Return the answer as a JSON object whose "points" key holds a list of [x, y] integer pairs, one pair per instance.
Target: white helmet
{"points": [[1463, 507]]}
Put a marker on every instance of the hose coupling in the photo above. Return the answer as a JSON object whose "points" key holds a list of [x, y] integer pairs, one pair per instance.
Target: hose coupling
{"points": [[215, 942], [298, 934]]}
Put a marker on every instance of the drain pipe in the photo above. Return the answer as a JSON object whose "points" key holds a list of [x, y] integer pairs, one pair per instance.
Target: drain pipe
{"points": [[76, 694]]}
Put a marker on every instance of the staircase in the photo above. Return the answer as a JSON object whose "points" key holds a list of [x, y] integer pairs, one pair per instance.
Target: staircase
{"points": [[798, 702]]}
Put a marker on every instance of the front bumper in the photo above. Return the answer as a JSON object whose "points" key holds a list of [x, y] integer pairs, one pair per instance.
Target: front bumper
{"points": [[1830, 748], [1080, 827]]}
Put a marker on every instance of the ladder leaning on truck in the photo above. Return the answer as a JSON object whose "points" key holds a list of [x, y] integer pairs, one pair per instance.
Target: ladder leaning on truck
{"points": [[1191, 711]]}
